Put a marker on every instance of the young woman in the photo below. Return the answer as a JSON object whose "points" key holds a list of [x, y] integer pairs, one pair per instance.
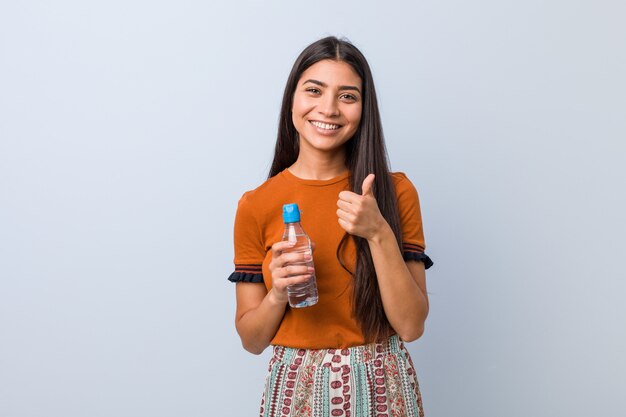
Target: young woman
{"points": [[345, 355]]}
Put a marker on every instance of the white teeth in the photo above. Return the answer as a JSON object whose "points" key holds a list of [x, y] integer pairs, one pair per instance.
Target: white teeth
{"points": [[325, 125]]}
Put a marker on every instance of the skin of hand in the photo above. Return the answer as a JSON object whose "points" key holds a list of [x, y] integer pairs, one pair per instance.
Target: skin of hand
{"points": [[284, 273], [359, 214], [402, 284], [260, 312]]}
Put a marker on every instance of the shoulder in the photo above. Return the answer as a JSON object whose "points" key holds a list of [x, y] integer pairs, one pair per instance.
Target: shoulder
{"points": [[262, 202], [398, 177], [261, 194], [402, 183]]}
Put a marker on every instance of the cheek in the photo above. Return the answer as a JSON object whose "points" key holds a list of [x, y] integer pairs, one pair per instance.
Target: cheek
{"points": [[298, 116], [354, 116], [301, 106], [295, 113]]}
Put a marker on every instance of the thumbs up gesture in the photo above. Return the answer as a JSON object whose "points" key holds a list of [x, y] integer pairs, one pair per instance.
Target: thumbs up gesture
{"points": [[359, 214]]}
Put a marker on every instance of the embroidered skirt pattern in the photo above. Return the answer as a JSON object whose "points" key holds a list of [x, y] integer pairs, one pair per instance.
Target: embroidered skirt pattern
{"points": [[374, 380]]}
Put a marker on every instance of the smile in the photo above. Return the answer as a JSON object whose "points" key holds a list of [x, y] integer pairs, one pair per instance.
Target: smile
{"points": [[325, 126]]}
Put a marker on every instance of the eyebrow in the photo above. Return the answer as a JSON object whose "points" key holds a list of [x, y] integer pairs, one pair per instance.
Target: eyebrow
{"points": [[341, 87]]}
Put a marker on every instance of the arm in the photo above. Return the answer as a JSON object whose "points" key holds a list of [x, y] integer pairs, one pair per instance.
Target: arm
{"points": [[260, 312], [258, 316], [402, 284]]}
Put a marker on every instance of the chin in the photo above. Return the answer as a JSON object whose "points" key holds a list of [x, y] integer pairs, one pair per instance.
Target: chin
{"points": [[326, 145]]}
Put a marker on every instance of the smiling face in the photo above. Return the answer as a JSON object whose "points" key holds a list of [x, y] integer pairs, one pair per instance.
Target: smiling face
{"points": [[327, 105]]}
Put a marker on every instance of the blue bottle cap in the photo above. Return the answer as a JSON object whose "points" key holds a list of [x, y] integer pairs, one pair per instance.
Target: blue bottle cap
{"points": [[291, 213]]}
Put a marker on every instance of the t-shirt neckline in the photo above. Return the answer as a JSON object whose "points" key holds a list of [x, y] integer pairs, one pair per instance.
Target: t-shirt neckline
{"points": [[291, 177]]}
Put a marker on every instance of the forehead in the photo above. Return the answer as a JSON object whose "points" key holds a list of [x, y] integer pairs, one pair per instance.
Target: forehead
{"points": [[332, 73]]}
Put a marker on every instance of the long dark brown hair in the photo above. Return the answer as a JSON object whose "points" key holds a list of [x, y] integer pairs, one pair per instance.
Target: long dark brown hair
{"points": [[365, 154]]}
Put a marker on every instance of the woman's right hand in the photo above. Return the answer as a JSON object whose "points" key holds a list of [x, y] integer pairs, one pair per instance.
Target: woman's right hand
{"points": [[284, 273]]}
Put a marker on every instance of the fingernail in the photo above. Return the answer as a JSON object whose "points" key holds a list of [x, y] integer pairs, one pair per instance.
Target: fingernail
{"points": [[311, 269], [308, 257]]}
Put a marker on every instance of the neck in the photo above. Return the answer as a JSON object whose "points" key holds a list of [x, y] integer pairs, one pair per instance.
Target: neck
{"points": [[319, 165]]}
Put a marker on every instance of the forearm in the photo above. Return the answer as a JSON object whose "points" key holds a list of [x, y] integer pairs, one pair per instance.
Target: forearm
{"points": [[257, 327], [404, 302]]}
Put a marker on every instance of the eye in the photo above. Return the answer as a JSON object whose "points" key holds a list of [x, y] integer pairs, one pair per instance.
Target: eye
{"points": [[312, 90], [349, 97]]}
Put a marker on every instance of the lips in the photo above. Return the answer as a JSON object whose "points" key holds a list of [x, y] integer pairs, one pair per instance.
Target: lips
{"points": [[325, 126]]}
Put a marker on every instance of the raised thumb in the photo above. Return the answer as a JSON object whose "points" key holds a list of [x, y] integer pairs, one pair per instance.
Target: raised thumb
{"points": [[368, 182]]}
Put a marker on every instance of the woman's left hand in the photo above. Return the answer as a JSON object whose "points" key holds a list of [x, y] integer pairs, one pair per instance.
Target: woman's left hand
{"points": [[359, 214]]}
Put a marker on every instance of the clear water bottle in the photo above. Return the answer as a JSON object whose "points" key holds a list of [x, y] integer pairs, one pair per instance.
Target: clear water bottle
{"points": [[303, 294]]}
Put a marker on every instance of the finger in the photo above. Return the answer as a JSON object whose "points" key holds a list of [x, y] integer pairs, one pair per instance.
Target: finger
{"points": [[345, 225], [289, 270], [293, 258], [368, 182], [349, 196], [298, 279], [279, 247], [345, 206], [346, 216]]}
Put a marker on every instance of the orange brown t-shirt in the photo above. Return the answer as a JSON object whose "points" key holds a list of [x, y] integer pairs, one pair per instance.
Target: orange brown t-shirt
{"points": [[259, 224]]}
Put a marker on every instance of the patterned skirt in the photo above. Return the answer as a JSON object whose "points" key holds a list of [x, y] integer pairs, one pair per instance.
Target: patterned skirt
{"points": [[374, 380]]}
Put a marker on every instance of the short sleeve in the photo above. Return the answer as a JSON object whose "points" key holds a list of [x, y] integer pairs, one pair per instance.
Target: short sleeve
{"points": [[413, 244], [249, 248]]}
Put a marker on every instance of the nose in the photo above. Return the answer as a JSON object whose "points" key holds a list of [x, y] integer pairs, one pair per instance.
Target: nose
{"points": [[328, 106]]}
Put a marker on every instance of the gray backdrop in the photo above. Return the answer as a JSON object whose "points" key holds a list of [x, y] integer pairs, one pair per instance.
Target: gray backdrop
{"points": [[129, 129]]}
